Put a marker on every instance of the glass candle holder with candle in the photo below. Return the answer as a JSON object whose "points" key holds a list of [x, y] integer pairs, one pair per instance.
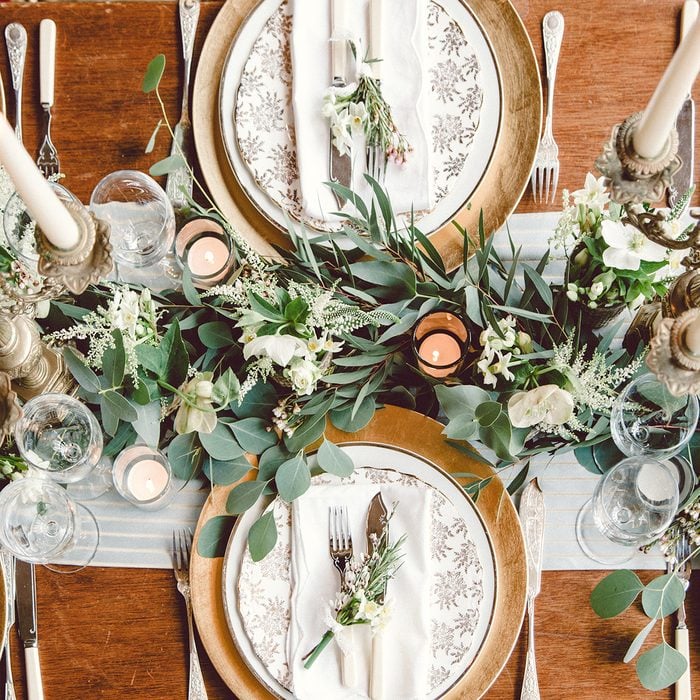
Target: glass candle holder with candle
{"points": [[144, 477], [440, 343], [203, 247]]}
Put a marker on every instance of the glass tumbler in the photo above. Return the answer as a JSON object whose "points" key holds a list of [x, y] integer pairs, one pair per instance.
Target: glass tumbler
{"points": [[632, 504], [140, 215]]}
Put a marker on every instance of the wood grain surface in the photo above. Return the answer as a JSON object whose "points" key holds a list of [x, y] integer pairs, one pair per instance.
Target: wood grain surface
{"points": [[121, 633]]}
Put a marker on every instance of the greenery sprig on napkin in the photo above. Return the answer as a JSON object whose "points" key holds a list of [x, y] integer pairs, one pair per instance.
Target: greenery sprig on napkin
{"points": [[361, 597]]}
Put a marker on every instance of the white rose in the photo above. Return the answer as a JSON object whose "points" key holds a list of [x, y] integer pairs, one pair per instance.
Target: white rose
{"points": [[279, 348], [303, 374], [546, 404]]}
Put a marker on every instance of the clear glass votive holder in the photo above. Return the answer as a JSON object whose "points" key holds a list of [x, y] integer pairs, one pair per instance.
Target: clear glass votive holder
{"points": [[143, 476], [205, 249], [440, 344], [140, 215]]}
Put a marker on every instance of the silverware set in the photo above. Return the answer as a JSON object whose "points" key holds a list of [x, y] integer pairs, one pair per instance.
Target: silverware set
{"points": [[545, 173], [8, 565], [182, 547], [16, 43]]}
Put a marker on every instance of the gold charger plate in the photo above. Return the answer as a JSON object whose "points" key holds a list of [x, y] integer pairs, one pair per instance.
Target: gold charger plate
{"points": [[391, 426], [501, 186]]}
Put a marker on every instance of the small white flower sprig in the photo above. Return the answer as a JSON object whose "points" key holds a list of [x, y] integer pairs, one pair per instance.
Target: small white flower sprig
{"points": [[361, 597], [686, 523], [361, 106]]}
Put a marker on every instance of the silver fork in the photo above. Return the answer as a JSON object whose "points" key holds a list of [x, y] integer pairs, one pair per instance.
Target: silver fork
{"points": [[182, 546], [545, 172], [340, 548], [376, 157], [48, 156], [8, 562], [683, 689]]}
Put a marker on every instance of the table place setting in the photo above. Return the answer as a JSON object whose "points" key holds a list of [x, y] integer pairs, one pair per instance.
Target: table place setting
{"points": [[311, 363]]}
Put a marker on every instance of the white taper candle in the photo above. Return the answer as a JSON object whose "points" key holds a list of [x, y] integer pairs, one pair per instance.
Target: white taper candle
{"points": [[660, 114], [376, 46], [42, 203]]}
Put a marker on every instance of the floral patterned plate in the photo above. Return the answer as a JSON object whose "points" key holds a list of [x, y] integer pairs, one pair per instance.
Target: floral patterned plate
{"points": [[257, 596], [258, 126]]}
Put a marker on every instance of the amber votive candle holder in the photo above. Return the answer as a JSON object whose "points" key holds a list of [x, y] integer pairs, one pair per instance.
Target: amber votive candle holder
{"points": [[440, 343]]}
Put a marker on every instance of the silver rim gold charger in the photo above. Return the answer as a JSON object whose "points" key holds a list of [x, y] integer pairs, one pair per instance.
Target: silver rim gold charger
{"points": [[500, 186], [407, 431]]}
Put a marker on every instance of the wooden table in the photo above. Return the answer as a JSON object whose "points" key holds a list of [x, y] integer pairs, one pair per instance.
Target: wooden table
{"points": [[115, 633]]}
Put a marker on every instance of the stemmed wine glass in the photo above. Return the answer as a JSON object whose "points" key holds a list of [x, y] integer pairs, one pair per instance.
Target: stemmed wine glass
{"points": [[633, 503], [61, 437], [40, 523], [646, 419]]}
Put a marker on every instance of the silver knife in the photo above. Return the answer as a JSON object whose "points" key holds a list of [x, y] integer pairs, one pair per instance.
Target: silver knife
{"points": [[376, 524], [179, 182], [532, 515], [27, 627], [339, 166], [683, 180]]}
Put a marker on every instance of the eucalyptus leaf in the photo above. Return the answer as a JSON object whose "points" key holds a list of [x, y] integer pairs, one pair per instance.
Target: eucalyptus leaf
{"points": [[151, 358], [638, 641], [167, 165], [189, 290], [293, 478], [258, 402], [110, 420], [660, 667], [79, 369], [487, 413], [310, 430], [343, 420], [220, 444], [154, 72], [334, 460], [262, 536], [663, 596], [185, 455], [615, 593], [456, 399], [244, 496], [120, 406], [175, 352], [463, 427], [114, 360], [152, 141], [147, 423], [254, 435], [214, 536], [270, 461], [215, 334], [227, 388], [226, 472]]}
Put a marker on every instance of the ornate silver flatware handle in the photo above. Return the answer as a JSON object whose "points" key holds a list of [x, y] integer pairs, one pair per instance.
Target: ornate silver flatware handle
{"points": [[197, 689], [553, 33], [531, 688], [16, 41]]}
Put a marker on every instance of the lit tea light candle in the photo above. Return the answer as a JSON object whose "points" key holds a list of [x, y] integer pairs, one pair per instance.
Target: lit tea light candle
{"points": [[205, 249], [143, 477], [439, 343]]}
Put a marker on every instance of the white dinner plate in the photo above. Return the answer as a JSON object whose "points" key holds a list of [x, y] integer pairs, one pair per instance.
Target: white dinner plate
{"points": [[272, 189], [463, 576]]}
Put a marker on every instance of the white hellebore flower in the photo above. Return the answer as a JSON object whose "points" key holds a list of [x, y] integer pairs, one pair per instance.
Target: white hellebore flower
{"points": [[593, 195], [358, 115], [546, 404], [279, 348], [340, 130], [128, 312], [200, 416], [628, 246], [303, 374]]}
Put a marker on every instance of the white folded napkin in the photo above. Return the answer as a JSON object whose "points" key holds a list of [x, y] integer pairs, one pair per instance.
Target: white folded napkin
{"points": [[315, 583], [405, 85]]}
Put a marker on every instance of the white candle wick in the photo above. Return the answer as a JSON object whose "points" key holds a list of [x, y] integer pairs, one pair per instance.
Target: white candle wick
{"points": [[436, 356], [59, 227], [660, 114], [209, 257]]}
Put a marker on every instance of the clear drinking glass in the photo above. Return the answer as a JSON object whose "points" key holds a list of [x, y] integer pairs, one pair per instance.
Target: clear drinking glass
{"points": [[646, 419], [40, 523], [19, 227], [60, 436], [140, 215], [632, 504]]}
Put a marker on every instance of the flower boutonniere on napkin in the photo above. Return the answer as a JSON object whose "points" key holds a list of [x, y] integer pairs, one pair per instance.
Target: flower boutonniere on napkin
{"points": [[361, 600], [360, 106]]}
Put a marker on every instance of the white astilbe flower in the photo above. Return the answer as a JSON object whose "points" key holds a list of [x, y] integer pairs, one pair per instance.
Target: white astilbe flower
{"points": [[134, 314], [592, 382]]}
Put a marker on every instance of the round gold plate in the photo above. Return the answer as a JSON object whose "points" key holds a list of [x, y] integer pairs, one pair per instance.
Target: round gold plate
{"points": [[399, 427], [499, 190]]}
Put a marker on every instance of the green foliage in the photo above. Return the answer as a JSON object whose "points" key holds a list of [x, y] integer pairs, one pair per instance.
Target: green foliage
{"points": [[333, 460], [214, 536], [262, 536], [154, 73]]}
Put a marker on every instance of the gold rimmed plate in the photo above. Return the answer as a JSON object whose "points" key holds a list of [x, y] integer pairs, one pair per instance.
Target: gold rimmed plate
{"points": [[498, 190], [421, 436]]}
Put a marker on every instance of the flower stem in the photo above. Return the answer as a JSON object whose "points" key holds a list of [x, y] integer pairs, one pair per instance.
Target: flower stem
{"points": [[314, 653]]}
